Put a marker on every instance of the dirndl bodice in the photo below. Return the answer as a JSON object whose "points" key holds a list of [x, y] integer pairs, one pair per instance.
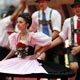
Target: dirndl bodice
{"points": [[24, 50]]}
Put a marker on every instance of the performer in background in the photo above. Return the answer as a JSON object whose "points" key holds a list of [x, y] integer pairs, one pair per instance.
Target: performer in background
{"points": [[6, 28]]}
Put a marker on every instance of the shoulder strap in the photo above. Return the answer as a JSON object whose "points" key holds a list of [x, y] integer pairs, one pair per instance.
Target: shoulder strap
{"points": [[50, 21], [72, 31], [39, 18]]}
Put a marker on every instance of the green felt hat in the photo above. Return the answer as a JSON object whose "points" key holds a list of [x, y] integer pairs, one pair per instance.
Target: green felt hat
{"points": [[75, 2]]}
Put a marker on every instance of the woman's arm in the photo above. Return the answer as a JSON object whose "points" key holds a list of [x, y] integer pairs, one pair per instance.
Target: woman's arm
{"points": [[19, 10]]}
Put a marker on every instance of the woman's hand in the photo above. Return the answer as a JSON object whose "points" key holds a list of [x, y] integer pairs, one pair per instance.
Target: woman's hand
{"points": [[35, 56], [75, 50]]}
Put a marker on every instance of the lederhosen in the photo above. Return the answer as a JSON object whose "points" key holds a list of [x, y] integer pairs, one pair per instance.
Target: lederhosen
{"points": [[51, 54], [73, 58]]}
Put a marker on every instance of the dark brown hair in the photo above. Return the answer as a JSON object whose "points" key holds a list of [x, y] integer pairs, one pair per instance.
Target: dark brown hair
{"points": [[27, 18]]}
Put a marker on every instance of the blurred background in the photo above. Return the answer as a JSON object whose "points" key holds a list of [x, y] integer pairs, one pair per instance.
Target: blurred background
{"points": [[63, 6]]}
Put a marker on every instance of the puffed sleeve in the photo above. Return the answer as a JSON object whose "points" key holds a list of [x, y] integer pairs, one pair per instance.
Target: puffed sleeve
{"points": [[40, 39], [12, 41]]}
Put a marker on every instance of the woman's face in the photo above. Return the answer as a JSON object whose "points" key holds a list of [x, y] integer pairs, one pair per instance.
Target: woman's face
{"points": [[21, 23]]}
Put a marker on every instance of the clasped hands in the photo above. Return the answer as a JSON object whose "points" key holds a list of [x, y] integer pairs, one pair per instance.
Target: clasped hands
{"points": [[40, 52]]}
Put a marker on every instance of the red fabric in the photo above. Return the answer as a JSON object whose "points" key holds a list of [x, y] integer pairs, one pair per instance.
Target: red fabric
{"points": [[78, 35], [10, 33], [18, 78]]}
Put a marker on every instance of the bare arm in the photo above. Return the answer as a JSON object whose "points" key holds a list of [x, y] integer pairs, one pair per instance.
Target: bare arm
{"points": [[24, 3], [54, 43], [55, 34], [11, 53], [19, 10]]}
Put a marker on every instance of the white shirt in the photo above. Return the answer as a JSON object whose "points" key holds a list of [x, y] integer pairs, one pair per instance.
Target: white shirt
{"points": [[5, 27], [66, 31], [55, 20]]}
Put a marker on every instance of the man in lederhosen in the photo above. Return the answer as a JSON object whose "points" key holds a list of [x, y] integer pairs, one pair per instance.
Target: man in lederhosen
{"points": [[53, 25]]}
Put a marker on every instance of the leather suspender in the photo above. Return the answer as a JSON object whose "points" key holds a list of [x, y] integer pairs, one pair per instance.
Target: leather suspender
{"points": [[45, 22], [50, 21], [72, 58], [77, 31], [72, 32]]}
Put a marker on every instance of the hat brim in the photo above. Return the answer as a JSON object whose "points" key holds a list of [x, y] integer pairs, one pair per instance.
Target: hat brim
{"points": [[38, 1], [74, 4]]}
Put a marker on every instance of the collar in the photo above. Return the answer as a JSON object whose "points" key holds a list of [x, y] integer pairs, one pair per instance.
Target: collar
{"points": [[76, 17], [47, 9]]}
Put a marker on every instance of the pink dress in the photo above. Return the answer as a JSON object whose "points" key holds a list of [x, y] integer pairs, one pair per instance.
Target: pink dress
{"points": [[24, 66]]}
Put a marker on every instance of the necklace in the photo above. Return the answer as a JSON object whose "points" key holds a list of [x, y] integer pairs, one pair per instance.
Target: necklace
{"points": [[23, 33]]}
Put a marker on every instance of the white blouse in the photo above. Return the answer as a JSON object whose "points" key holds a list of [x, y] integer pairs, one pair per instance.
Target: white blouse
{"points": [[38, 38]]}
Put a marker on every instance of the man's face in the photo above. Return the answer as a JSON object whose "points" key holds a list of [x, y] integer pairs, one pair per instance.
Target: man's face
{"points": [[42, 4], [76, 9]]}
